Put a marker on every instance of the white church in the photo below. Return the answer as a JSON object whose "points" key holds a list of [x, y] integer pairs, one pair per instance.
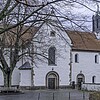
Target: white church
{"points": [[63, 58]]}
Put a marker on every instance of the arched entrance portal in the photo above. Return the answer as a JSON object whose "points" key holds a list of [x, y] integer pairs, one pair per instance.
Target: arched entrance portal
{"points": [[52, 80], [80, 80]]}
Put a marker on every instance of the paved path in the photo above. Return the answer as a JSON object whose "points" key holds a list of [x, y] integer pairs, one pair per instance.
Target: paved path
{"points": [[48, 95]]}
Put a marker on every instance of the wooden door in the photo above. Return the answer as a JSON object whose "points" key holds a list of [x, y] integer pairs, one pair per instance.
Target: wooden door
{"points": [[80, 80], [51, 83]]}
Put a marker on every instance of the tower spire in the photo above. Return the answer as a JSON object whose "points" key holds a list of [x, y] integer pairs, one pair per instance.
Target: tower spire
{"points": [[97, 8]]}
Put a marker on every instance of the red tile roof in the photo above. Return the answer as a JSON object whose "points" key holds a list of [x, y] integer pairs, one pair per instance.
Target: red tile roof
{"points": [[9, 38], [84, 41]]}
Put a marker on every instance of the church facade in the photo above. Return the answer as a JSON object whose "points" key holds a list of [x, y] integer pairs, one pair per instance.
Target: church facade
{"points": [[61, 58], [73, 57], [77, 60]]}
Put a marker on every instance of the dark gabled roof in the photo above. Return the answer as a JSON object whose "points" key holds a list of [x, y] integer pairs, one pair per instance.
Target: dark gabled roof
{"points": [[25, 66], [84, 41]]}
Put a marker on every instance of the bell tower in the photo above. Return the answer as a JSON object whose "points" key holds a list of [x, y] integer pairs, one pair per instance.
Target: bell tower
{"points": [[96, 23]]}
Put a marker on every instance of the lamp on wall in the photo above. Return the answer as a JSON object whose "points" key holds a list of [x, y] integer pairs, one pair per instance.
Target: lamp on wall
{"points": [[52, 68], [81, 72]]}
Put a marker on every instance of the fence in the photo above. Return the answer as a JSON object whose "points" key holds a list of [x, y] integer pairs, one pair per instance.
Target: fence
{"points": [[91, 86], [63, 96]]}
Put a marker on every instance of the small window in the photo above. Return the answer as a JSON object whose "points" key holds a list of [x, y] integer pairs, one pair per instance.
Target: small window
{"points": [[93, 24], [52, 33], [96, 59], [93, 79], [97, 23], [76, 58]]}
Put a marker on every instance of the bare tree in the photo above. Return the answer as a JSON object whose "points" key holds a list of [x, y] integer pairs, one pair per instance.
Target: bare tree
{"points": [[17, 30]]}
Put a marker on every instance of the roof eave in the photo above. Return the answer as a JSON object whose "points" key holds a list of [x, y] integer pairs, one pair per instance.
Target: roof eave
{"points": [[86, 50]]}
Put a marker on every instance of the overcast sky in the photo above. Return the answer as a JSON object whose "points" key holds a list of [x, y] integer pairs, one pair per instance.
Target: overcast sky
{"points": [[89, 12], [81, 12]]}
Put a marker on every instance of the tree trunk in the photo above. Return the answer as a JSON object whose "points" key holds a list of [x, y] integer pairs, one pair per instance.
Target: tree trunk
{"points": [[7, 79]]}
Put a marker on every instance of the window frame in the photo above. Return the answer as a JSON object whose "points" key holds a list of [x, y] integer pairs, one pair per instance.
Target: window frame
{"points": [[93, 79], [96, 59], [52, 55], [52, 33], [76, 58]]}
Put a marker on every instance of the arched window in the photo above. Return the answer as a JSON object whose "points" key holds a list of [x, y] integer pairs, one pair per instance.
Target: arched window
{"points": [[76, 58], [93, 24], [97, 23], [51, 56], [93, 79], [96, 59]]}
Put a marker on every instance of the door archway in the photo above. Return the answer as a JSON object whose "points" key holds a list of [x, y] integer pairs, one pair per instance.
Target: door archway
{"points": [[80, 80], [52, 80]]}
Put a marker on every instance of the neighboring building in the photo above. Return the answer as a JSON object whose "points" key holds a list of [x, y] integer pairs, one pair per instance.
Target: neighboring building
{"points": [[62, 58]]}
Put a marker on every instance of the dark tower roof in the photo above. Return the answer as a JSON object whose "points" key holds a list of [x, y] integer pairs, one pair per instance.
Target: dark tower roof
{"points": [[96, 21]]}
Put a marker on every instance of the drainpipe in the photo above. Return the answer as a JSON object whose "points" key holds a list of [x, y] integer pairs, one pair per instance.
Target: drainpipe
{"points": [[70, 65]]}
